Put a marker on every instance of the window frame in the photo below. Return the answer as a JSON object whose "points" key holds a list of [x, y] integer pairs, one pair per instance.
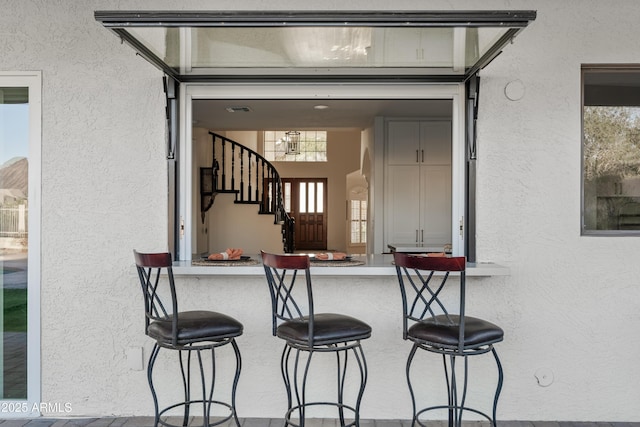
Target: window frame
{"points": [[584, 69], [360, 221], [296, 90], [32, 80]]}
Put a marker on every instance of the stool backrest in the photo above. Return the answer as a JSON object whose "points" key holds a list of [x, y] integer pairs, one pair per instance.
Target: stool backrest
{"points": [[160, 303], [281, 271], [422, 281]]}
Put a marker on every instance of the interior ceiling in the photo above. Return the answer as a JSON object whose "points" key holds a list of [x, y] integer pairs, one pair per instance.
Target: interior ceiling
{"points": [[301, 114]]}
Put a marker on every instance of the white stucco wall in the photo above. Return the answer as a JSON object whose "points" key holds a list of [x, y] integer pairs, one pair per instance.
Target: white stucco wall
{"points": [[569, 306]]}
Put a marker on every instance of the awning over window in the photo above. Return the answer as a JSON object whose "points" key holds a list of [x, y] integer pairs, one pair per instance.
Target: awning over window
{"points": [[199, 46]]}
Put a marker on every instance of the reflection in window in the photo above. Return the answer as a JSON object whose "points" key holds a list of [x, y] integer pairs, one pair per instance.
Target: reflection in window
{"points": [[611, 149], [312, 147]]}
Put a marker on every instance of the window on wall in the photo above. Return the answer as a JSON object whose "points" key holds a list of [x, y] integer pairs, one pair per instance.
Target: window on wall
{"points": [[358, 221], [611, 150], [295, 146]]}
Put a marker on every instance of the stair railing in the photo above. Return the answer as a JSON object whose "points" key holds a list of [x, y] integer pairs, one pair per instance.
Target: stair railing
{"points": [[253, 179]]}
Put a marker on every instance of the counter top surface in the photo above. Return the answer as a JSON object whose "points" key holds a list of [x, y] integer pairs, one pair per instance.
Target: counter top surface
{"points": [[374, 265]]}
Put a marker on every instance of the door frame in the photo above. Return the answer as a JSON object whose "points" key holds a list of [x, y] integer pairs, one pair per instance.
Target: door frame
{"points": [[32, 80], [295, 202]]}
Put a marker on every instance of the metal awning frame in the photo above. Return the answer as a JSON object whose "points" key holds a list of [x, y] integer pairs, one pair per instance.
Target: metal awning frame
{"points": [[120, 21]]}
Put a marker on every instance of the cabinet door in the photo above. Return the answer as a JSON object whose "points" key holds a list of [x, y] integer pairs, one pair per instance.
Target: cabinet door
{"points": [[403, 142], [435, 142], [435, 205], [403, 204]]}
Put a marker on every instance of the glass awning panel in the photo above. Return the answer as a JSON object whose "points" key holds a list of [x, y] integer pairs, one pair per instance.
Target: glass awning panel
{"points": [[200, 45]]}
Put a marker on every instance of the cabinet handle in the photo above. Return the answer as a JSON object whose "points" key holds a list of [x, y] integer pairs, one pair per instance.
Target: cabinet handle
{"points": [[417, 156], [422, 236], [416, 236], [422, 156]]}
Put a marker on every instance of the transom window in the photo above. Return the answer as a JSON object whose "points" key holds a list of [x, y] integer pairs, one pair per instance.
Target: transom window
{"points": [[295, 146]]}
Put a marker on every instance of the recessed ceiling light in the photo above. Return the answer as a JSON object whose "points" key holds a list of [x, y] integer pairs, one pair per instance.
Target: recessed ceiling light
{"points": [[320, 107], [238, 109]]}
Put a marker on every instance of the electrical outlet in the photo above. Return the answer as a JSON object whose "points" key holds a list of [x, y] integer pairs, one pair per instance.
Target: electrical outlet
{"points": [[134, 358]]}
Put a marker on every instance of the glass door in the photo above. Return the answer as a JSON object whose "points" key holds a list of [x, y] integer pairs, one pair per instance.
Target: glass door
{"points": [[14, 237], [19, 224]]}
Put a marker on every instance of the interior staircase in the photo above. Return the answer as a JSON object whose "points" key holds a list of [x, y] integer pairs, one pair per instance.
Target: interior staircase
{"points": [[239, 170]]}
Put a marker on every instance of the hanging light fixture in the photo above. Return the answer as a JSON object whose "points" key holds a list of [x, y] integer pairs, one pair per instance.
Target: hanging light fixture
{"points": [[293, 142]]}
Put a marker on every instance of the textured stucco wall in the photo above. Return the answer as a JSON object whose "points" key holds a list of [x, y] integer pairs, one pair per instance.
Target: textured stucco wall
{"points": [[103, 194], [569, 306], [571, 303]]}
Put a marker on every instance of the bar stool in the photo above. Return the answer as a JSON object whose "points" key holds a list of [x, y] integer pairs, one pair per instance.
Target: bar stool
{"points": [[423, 280], [187, 332], [310, 332]]}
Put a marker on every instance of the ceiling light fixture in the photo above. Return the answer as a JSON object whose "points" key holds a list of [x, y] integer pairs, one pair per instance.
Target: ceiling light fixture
{"points": [[238, 109], [293, 142]]}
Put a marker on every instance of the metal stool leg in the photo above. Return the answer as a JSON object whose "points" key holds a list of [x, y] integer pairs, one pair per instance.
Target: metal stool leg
{"points": [[456, 398], [186, 384], [152, 360], [342, 374], [499, 386], [236, 350], [362, 364], [207, 390], [412, 353], [284, 366]]}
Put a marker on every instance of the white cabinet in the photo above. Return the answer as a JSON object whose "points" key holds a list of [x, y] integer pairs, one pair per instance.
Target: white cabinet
{"points": [[418, 183]]}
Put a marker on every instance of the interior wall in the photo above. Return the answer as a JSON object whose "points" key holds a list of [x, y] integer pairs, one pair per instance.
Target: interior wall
{"points": [[343, 156], [202, 158], [226, 224]]}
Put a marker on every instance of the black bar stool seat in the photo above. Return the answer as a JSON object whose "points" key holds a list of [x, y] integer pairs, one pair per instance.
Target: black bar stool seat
{"points": [[329, 328], [445, 331], [196, 326]]}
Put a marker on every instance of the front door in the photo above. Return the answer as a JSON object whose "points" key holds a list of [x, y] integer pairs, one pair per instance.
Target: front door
{"points": [[308, 205]]}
